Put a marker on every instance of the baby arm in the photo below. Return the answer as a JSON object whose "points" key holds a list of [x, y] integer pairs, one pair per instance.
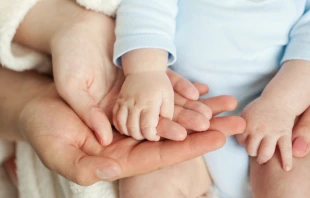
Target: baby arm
{"points": [[146, 94], [144, 37], [270, 118]]}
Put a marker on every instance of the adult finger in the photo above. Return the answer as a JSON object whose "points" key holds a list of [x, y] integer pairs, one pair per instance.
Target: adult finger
{"points": [[301, 135], [228, 125], [193, 105], [170, 130], [62, 141], [202, 88], [220, 104], [158, 155], [182, 86], [190, 120], [79, 167], [83, 104]]}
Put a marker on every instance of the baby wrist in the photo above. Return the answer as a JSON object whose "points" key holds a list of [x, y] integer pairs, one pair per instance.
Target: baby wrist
{"points": [[141, 71], [145, 60]]}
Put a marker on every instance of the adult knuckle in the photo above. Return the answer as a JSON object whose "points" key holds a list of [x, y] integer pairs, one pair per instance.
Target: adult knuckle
{"points": [[81, 180], [81, 177]]}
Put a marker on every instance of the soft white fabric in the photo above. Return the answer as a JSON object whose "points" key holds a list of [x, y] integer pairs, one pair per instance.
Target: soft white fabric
{"points": [[106, 6], [13, 55], [7, 189], [36, 181], [6, 150]]}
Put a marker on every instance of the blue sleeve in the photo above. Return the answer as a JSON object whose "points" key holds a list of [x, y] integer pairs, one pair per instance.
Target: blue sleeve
{"points": [[145, 24], [299, 43]]}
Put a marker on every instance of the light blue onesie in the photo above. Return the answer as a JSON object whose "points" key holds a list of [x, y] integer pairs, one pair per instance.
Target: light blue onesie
{"points": [[234, 46]]}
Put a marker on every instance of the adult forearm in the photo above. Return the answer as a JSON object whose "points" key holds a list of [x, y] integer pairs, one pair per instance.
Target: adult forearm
{"points": [[17, 89]]}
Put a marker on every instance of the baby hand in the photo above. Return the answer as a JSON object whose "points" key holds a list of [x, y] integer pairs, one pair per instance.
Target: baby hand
{"points": [[143, 98], [269, 124]]}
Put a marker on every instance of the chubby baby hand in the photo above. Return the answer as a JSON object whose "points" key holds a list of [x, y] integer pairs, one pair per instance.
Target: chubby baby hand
{"points": [[143, 98], [269, 124]]}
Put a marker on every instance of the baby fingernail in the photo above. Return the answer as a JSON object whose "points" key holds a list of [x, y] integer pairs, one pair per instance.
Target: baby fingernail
{"points": [[107, 172], [287, 168]]}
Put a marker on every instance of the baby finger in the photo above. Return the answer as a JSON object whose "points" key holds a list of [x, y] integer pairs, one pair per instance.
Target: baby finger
{"points": [[266, 149], [133, 124], [285, 147], [148, 122], [252, 145]]}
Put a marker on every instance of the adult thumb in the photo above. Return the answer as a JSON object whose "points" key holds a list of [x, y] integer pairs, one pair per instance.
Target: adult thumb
{"points": [[84, 169], [301, 135]]}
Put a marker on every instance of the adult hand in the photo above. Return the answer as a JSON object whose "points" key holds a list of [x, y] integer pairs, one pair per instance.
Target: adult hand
{"points": [[81, 40], [81, 55], [53, 129], [301, 135]]}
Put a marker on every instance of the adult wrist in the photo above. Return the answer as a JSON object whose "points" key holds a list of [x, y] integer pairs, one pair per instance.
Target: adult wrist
{"points": [[17, 89], [41, 95], [45, 20], [91, 26], [34, 86]]}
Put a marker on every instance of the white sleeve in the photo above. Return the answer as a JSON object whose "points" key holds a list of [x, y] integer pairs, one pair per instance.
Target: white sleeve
{"points": [[299, 43], [12, 55], [107, 7], [145, 24]]}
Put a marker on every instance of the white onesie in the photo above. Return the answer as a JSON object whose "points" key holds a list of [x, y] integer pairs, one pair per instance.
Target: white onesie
{"points": [[234, 46]]}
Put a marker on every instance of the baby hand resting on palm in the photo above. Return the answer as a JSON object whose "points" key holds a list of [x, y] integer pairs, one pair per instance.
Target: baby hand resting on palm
{"points": [[82, 83], [146, 94]]}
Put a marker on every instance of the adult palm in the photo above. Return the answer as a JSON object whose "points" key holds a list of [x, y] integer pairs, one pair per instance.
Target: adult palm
{"points": [[67, 146]]}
